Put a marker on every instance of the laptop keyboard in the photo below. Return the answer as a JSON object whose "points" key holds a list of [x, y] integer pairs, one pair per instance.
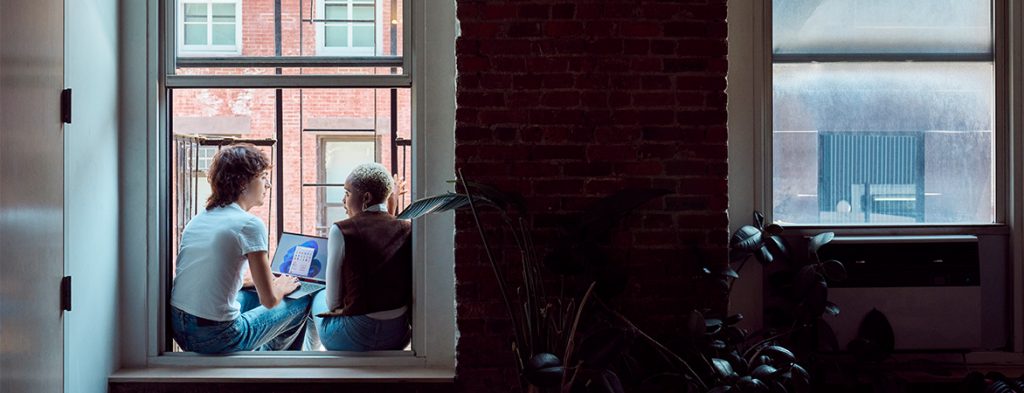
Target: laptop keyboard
{"points": [[305, 288]]}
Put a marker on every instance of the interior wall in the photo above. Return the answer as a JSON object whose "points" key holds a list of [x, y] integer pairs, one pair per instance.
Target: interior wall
{"points": [[568, 101], [91, 194]]}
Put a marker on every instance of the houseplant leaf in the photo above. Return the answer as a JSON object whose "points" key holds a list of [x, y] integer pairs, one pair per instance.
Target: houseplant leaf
{"points": [[834, 270], [746, 238], [435, 204], [819, 240]]}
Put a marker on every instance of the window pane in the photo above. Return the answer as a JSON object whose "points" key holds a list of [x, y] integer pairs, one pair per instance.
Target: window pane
{"points": [[362, 36], [335, 214], [195, 34], [224, 34], [336, 12], [883, 143], [195, 13], [362, 12], [223, 12], [336, 36], [340, 157], [881, 26]]}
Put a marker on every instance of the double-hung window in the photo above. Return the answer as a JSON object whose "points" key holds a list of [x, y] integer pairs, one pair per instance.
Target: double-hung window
{"points": [[316, 114], [350, 27], [209, 27], [883, 112]]}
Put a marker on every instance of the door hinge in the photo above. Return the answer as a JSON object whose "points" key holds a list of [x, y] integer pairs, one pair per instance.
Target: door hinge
{"points": [[65, 293], [65, 106]]}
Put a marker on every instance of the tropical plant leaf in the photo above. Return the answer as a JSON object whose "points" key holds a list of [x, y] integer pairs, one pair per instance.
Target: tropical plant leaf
{"points": [[876, 329], [777, 246], [597, 221], [834, 270], [544, 370], [723, 368], [800, 378], [434, 204], [806, 278], [497, 196], [819, 240], [764, 256], [832, 309], [724, 270], [763, 372], [773, 229], [780, 356], [695, 326], [609, 382], [758, 220], [751, 384], [817, 299], [747, 239]]}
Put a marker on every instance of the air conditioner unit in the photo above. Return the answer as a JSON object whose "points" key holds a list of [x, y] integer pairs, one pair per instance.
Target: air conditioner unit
{"points": [[931, 288]]}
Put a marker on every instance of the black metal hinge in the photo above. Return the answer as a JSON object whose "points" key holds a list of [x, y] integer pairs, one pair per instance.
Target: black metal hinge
{"points": [[65, 293], [65, 106]]}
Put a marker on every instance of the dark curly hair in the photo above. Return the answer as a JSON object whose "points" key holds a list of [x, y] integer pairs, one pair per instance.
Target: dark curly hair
{"points": [[234, 167]]}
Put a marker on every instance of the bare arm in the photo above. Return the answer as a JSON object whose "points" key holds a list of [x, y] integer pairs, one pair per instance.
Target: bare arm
{"points": [[269, 288]]}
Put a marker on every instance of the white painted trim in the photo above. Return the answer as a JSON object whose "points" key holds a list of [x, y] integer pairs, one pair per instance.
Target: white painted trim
{"points": [[434, 281], [1015, 160], [378, 44], [288, 81], [283, 374], [209, 49]]}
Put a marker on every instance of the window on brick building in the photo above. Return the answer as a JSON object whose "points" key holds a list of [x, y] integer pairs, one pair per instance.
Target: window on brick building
{"points": [[349, 27], [209, 27], [883, 112], [337, 155]]}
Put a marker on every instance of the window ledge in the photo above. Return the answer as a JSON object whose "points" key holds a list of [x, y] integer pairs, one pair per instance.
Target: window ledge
{"points": [[283, 374]]}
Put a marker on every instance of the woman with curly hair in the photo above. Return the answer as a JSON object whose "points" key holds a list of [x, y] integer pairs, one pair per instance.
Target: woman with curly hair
{"points": [[207, 309]]}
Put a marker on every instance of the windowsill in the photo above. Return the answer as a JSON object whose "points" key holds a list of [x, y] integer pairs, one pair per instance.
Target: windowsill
{"points": [[284, 374], [898, 230]]}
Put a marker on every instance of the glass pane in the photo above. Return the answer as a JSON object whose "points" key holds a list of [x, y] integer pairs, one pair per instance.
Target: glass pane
{"points": [[195, 13], [326, 133], [224, 34], [336, 12], [340, 157], [362, 12], [335, 36], [883, 143], [306, 36], [881, 26], [335, 214], [195, 34], [223, 12], [362, 36]]}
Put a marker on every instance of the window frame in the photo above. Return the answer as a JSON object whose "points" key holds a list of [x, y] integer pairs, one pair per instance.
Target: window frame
{"points": [[378, 32], [763, 177], [750, 159], [209, 49], [433, 313]]}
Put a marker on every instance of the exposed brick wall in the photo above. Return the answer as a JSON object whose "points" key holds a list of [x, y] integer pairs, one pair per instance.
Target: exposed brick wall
{"points": [[568, 101]]}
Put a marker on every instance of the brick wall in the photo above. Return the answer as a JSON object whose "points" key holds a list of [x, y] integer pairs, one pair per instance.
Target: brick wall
{"points": [[567, 101]]}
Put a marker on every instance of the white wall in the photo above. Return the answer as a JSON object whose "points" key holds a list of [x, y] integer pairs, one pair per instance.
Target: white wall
{"points": [[91, 197]]}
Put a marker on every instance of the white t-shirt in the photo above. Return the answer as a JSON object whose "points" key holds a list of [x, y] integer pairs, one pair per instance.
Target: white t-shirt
{"points": [[211, 260]]}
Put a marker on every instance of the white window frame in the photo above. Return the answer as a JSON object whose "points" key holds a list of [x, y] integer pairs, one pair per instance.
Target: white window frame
{"points": [[146, 219], [750, 151], [209, 49], [322, 140], [321, 42]]}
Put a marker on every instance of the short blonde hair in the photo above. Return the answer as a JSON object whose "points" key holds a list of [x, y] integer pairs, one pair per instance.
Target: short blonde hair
{"points": [[373, 178]]}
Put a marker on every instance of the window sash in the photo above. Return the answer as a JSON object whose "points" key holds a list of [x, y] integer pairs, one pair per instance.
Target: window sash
{"points": [[766, 183], [209, 24]]}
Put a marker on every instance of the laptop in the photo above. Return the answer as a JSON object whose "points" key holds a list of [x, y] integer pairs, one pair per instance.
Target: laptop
{"points": [[302, 256]]}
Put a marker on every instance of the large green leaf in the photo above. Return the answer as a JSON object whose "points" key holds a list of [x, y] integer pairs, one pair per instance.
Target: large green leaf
{"points": [[747, 239], [819, 240], [434, 204]]}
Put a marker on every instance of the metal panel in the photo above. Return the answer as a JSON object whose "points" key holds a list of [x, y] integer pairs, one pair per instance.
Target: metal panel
{"points": [[31, 195], [916, 315]]}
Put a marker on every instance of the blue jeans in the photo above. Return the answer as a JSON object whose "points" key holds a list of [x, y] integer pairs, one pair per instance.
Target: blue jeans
{"points": [[355, 332], [258, 328]]}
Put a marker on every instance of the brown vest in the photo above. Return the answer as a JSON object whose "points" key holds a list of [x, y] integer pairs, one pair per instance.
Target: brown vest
{"points": [[376, 272]]}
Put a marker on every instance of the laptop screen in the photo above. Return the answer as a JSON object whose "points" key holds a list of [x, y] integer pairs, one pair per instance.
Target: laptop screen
{"points": [[301, 255]]}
